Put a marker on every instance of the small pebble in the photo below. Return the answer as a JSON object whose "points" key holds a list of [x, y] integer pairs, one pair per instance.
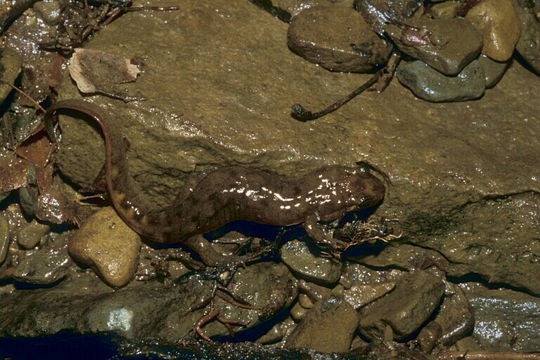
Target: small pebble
{"points": [[328, 327], [429, 84], [31, 234], [338, 39], [4, 238], [298, 257], [108, 246], [499, 24], [493, 70]]}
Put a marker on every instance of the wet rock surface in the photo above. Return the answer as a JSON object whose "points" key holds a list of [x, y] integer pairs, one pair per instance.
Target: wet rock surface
{"points": [[431, 85], [44, 266], [451, 45], [529, 41], [505, 320], [109, 246], [328, 327], [493, 70], [298, 256], [499, 23], [10, 68], [337, 39], [464, 194], [405, 308]]}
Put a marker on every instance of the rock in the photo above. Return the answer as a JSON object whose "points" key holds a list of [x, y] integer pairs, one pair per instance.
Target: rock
{"points": [[298, 312], [190, 122], [277, 332], [287, 9], [499, 24], [298, 257], [430, 85], [4, 238], [505, 320], [363, 285], [445, 10], [44, 266], [361, 295], [450, 46], [377, 12], [268, 287], [338, 39], [405, 309], [314, 291], [327, 327], [493, 70], [109, 246], [10, 68], [456, 317], [31, 234], [49, 11], [528, 45]]}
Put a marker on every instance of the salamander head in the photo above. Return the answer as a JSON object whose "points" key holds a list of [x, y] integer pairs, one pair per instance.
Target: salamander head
{"points": [[352, 189]]}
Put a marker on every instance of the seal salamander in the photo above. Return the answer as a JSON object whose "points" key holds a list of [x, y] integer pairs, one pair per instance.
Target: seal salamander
{"points": [[226, 194]]}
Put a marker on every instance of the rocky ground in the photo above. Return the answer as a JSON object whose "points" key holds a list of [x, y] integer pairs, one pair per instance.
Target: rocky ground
{"points": [[453, 257]]}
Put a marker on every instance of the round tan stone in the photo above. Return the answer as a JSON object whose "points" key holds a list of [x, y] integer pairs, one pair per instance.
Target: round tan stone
{"points": [[108, 246], [499, 23]]}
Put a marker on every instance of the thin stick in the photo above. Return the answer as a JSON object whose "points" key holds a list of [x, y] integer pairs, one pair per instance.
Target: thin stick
{"points": [[302, 114], [36, 104]]}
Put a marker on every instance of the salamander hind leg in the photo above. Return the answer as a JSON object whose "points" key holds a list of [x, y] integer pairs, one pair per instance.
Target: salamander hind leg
{"points": [[210, 257], [315, 232]]}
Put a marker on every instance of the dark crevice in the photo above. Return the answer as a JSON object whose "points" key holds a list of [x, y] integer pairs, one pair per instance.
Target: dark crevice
{"points": [[267, 6], [479, 278]]}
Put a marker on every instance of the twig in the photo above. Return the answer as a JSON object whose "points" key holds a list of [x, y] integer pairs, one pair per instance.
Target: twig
{"points": [[302, 114]]}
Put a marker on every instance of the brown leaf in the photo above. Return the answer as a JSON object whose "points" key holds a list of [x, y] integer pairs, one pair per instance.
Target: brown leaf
{"points": [[99, 71], [37, 149], [13, 173]]}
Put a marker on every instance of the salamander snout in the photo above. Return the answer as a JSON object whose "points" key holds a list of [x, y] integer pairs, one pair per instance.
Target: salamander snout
{"points": [[367, 189]]}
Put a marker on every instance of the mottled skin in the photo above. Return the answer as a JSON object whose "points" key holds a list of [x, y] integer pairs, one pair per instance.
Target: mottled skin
{"points": [[227, 194]]}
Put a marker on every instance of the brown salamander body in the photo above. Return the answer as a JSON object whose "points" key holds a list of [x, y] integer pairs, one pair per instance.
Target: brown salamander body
{"points": [[227, 194]]}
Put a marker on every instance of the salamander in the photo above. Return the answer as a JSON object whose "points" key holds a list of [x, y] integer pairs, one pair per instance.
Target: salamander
{"points": [[227, 194]]}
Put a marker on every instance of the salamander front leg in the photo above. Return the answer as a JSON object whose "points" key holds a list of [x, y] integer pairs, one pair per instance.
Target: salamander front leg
{"points": [[210, 257], [315, 232]]}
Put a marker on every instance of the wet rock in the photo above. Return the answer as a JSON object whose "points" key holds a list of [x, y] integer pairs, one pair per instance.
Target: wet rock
{"points": [[499, 24], [338, 39], [277, 332], [361, 295], [44, 266], [267, 287], [49, 11], [314, 291], [456, 317], [505, 320], [10, 68], [493, 70], [31, 234], [448, 47], [429, 84], [4, 238], [363, 285], [328, 327], [305, 301], [287, 9], [298, 312], [378, 12], [499, 244], [190, 124], [528, 45], [109, 246], [405, 309], [302, 261], [445, 10], [429, 335]]}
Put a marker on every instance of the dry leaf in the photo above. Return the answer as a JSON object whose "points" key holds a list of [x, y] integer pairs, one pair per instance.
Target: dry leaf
{"points": [[98, 71]]}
